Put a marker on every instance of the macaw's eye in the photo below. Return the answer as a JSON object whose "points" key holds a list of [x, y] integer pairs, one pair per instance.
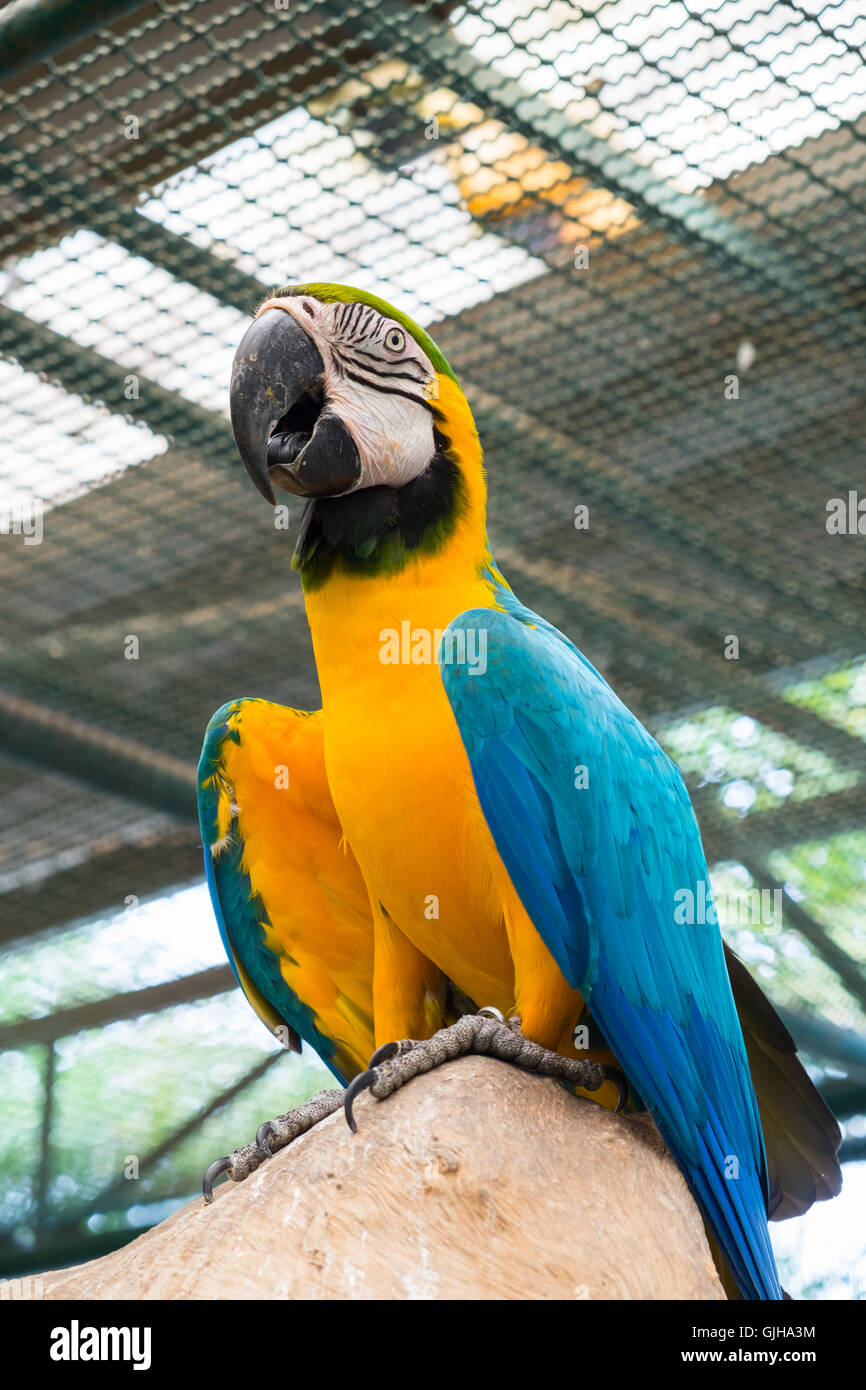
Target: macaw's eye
{"points": [[395, 341]]}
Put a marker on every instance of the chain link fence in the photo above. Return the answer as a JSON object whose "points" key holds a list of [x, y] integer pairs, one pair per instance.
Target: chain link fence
{"points": [[636, 230]]}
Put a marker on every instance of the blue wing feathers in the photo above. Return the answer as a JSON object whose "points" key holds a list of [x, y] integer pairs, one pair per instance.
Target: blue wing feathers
{"points": [[597, 868]]}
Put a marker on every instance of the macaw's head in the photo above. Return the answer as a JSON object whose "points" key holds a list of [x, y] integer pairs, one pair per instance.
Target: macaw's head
{"points": [[339, 398]]}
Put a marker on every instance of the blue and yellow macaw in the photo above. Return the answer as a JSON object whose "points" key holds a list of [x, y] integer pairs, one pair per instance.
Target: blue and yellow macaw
{"points": [[473, 818]]}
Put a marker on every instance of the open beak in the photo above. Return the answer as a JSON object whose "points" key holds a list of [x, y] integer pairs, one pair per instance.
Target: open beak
{"points": [[285, 435]]}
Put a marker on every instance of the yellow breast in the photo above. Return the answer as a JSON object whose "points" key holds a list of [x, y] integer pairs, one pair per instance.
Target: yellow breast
{"points": [[396, 764]]}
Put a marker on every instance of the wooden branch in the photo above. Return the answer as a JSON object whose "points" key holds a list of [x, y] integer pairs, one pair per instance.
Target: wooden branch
{"points": [[476, 1181]]}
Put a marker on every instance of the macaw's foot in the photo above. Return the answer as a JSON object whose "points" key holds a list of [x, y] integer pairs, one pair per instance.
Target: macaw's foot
{"points": [[487, 1034], [272, 1136]]}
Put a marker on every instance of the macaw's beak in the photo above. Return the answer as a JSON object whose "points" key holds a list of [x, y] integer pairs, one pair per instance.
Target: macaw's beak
{"points": [[284, 434]]}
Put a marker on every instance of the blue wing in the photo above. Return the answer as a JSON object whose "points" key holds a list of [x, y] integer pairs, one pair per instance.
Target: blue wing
{"points": [[597, 867]]}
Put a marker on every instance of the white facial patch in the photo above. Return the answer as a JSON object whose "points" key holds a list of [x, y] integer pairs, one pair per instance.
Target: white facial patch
{"points": [[394, 436], [377, 380]]}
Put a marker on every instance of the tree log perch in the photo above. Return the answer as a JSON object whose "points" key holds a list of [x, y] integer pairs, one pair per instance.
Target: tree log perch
{"points": [[476, 1181]]}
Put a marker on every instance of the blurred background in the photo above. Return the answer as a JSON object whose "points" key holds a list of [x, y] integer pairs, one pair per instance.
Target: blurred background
{"points": [[636, 229]]}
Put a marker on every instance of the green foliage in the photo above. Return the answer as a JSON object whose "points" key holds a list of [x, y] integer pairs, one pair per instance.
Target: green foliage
{"points": [[121, 1090], [755, 768], [839, 697], [787, 965]]}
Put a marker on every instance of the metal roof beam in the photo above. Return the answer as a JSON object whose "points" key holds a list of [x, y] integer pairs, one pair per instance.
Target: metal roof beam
{"points": [[33, 30], [791, 823], [827, 1043], [97, 756], [101, 883], [100, 210], [85, 373], [204, 984], [848, 970], [438, 54]]}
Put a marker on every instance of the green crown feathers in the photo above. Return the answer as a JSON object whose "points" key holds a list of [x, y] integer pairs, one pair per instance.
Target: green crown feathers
{"points": [[347, 294]]}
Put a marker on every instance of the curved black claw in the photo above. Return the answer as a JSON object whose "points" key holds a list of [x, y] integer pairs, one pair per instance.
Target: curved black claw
{"points": [[353, 1090], [619, 1081], [490, 1011], [219, 1165], [264, 1135], [384, 1054]]}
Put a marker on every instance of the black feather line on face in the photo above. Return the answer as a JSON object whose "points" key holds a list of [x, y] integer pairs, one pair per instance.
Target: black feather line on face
{"points": [[381, 371], [390, 390], [379, 529]]}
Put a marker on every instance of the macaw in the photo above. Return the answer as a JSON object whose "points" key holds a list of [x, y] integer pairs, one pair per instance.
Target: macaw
{"points": [[473, 821]]}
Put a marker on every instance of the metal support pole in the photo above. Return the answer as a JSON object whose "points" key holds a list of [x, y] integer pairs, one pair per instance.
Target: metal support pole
{"points": [[44, 1172]]}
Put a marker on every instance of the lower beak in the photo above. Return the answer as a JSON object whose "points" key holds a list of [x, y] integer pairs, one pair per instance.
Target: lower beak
{"points": [[276, 403]]}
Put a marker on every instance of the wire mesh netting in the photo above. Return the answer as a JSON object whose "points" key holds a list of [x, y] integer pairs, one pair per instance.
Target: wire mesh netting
{"points": [[636, 232]]}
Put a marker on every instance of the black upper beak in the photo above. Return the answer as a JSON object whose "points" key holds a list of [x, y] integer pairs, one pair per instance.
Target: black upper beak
{"points": [[283, 434], [275, 366]]}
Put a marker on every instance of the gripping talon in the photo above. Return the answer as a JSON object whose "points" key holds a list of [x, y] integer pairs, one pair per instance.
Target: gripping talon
{"points": [[619, 1081], [353, 1090], [384, 1054], [264, 1135], [220, 1165]]}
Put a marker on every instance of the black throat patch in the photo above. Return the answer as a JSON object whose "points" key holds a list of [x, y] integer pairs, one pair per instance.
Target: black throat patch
{"points": [[378, 530]]}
